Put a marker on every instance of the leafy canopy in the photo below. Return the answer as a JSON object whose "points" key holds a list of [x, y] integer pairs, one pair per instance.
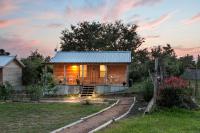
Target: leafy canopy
{"points": [[95, 36], [34, 67]]}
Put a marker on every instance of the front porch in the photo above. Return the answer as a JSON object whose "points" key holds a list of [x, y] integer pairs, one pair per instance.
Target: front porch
{"points": [[91, 74]]}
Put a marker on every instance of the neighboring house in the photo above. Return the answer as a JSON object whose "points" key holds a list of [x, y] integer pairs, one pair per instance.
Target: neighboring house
{"points": [[86, 72], [11, 70]]}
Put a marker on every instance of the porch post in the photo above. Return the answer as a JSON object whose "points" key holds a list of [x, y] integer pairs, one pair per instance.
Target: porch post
{"points": [[127, 72], [106, 75], [82, 73], [65, 80]]}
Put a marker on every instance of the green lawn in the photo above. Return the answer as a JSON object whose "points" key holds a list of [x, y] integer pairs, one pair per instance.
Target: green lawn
{"points": [[164, 121], [136, 87], [41, 117]]}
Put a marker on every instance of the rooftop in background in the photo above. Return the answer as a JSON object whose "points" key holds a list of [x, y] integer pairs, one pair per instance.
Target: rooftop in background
{"points": [[6, 59], [191, 74], [92, 57]]}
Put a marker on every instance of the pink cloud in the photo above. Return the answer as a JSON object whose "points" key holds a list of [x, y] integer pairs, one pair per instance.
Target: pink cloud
{"points": [[108, 11], [6, 23], [122, 6], [7, 6], [156, 22], [21, 47], [184, 51], [193, 19]]}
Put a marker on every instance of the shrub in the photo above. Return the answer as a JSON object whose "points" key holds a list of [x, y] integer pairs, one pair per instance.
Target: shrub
{"points": [[5, 91], [35, 92], [173, 92], [48, 84], [148, 90], [169, 97]]}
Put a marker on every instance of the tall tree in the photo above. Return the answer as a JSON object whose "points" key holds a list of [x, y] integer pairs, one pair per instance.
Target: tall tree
{"points": [[97, 36], [169, 65], [163, 52], [187, 61], [34, 67]]}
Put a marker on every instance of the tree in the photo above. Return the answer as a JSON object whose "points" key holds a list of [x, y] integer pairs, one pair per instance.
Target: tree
{"points": [[169, 64], [140, 65], [163, 52], [187, 61], [3, 52], [97, 36], [34, 68]]}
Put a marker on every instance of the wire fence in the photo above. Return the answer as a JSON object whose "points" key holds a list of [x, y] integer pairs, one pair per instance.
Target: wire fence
{"points": [[195, 84]]}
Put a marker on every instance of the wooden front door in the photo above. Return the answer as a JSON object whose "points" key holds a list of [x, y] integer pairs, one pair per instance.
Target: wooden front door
{"points": [[93, 73]]}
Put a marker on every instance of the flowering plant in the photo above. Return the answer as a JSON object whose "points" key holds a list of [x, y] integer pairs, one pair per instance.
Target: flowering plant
{"points": [[173, 92], [176, 83]]}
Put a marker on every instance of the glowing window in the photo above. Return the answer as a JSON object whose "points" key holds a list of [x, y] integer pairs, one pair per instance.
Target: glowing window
{"points": [[102, 71], [83, 70]]}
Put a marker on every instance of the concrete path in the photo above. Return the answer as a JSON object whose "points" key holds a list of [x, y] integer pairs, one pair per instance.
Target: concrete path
{"points": [[95, 121]]}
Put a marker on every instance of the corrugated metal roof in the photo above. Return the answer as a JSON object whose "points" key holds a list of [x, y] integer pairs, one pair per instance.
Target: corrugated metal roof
{"points": [[5, 59], [92, 57]]}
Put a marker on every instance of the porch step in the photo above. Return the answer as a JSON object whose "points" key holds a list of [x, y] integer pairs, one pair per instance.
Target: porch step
{"points": [[87, 91]]}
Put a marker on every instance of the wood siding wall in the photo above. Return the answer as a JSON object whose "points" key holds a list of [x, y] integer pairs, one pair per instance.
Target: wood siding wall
{"points": [[116, 74], [13, 74]]}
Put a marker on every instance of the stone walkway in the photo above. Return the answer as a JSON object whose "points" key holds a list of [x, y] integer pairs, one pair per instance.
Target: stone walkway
{"points": [[95, 121]]}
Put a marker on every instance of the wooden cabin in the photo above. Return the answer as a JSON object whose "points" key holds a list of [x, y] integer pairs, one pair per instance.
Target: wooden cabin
{"points": [[11, 71], [92, 68]]}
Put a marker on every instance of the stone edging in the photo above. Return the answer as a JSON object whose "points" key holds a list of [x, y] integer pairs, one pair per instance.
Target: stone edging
{"points": [[112, 120], [84, 118]]}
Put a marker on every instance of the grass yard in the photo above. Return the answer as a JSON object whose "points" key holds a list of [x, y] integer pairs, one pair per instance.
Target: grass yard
{"points": [[164, 121], [41, 117], [137, 87]]}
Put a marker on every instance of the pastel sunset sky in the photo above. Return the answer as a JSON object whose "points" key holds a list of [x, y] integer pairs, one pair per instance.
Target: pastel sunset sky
{"points": [[27, 25]]}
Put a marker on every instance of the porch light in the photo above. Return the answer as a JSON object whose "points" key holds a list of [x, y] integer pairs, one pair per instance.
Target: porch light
{"points": [[74, 67]]}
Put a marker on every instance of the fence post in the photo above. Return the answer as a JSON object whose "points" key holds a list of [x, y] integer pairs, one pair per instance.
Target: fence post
{"points": [[155, 81], [154, 78], [196, 82]]}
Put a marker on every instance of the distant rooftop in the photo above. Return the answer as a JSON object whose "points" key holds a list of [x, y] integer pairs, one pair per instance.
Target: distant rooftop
{"points": [[92, 57], [191, 74], [5, 59]]}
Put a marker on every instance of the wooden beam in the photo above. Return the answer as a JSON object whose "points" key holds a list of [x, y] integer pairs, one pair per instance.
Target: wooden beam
{"points": [[82, 73], [127, 71], [106, 74], [65, 80]]}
